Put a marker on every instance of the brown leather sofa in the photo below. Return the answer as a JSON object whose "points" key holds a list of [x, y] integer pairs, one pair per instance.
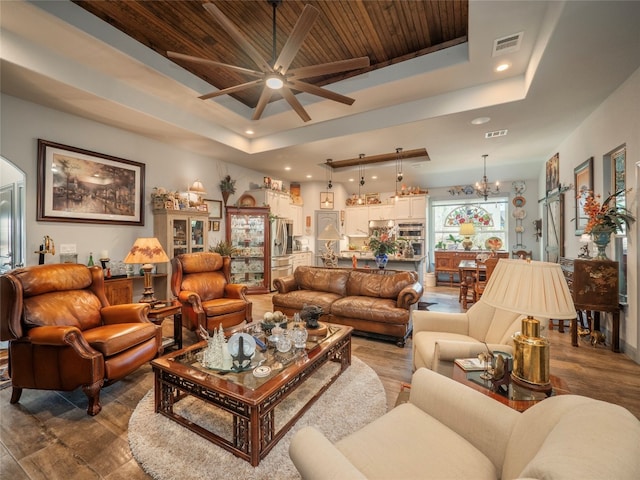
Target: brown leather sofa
{"points": [[201, 282], [374, 302], [63, 334]]}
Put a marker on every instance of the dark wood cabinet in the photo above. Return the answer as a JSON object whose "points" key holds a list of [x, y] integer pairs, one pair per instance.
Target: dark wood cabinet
{"points": [[119, 290], [594, 288]]}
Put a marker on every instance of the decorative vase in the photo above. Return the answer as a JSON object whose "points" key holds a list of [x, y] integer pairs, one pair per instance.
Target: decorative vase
{"points": [[601, 238], [381, 260], [225, 197], [299, 335]]}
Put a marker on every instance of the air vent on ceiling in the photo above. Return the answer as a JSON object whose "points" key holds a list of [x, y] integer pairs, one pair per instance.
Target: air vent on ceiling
{"points": [[508, 44], [496, 133]]}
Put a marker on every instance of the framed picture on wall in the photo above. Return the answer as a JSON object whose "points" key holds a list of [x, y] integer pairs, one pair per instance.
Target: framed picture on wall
{"points": [[553, 173], [583, 180], [80, 186], [214, 207], [326, 200]]}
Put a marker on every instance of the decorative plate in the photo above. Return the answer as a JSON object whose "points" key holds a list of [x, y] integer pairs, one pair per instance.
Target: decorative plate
{"points": [[248, 345], [247, 200], [493, 243], [519, 186], [519, 213], [518, 201]]}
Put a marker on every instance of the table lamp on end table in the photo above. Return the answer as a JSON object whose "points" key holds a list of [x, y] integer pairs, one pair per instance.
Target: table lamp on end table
{"points": [[467, 230], [531, 289], [147, 251]]}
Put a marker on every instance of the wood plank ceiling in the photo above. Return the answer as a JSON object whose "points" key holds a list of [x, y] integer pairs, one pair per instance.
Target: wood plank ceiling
{"points": [[386, 31]]}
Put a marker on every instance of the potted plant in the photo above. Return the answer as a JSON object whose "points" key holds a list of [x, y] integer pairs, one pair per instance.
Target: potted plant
{"points": [[227, 187], [223, 248], [605, 219]]}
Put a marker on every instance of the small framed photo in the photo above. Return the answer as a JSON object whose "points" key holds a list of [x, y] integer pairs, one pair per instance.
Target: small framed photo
{"points": [[214, 207], [583, 180], [326, 200], [216, 226]]}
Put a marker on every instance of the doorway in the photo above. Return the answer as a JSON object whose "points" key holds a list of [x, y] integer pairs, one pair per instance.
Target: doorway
{"points": [[12, 221], [324, 218]]}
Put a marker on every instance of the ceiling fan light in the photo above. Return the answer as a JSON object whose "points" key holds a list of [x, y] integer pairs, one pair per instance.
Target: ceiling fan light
{"points": [[274, 82]]}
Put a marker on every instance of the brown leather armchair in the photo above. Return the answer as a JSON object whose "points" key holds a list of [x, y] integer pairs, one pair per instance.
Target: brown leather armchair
{"points": [[63, 334], [201, 282]]}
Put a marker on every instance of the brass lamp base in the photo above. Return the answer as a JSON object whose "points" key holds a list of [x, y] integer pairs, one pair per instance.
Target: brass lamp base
{"points": [[531, 357], [467, 243]]}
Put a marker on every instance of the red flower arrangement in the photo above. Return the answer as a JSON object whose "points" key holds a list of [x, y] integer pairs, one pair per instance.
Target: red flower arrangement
{"points": [[606, 216]]}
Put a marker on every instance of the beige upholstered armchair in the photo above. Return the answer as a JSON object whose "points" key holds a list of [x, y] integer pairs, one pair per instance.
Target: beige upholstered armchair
{"points": [[63, 334], [201, 282], [439, 338]]}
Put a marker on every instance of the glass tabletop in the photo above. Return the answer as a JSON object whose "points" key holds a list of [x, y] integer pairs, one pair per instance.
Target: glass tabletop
{"points": [[513, 391]]}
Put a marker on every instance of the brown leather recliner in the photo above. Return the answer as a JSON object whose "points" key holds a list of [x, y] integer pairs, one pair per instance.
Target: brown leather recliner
{"points": [[63, 334], [201, 281]]}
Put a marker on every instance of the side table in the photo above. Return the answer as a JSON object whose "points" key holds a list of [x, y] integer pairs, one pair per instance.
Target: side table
{"points": [[517, 397], [163, 310]]}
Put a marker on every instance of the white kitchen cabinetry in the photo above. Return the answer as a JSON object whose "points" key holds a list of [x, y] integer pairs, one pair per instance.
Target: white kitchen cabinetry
{"points": [[297, 215], [357, 221], [381, 212], [301, 259], [277, 201], [413, 206]]}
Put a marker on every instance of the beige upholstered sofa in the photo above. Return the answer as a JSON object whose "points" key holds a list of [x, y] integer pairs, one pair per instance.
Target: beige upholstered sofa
{"points": [[439, 338], [449, 431], [373, 302]]}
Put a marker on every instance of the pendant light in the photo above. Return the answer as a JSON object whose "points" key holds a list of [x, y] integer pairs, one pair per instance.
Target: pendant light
{"points": [[329, 174], [361, 175], [483, 189]]}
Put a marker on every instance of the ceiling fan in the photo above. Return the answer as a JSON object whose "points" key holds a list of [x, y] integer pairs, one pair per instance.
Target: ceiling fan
{"points": [[276, 75]]}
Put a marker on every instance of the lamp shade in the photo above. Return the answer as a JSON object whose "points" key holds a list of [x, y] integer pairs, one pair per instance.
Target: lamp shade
{"points": [[329, 233], [467, 229], [146, 250], [197, 187], [530, 288]]}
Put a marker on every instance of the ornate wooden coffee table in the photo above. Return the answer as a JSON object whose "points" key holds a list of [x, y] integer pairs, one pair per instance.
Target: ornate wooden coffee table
{"points": [[250, 400]]}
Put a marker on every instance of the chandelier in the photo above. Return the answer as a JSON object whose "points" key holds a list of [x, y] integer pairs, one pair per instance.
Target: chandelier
{"points": [[483, 189]]}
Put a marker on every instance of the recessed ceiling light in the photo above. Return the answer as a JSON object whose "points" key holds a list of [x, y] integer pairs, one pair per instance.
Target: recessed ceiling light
{"points": [[287, 168], [374, 177], [502, 67], [352, 180], [249, 132], [309, 176], [480, 120]]}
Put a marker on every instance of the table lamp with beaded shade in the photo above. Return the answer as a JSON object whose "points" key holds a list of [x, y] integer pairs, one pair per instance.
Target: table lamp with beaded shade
{"points": [[534, 289], [147, 251]]}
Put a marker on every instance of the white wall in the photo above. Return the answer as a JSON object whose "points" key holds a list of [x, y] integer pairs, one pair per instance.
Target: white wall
{"points": [[614, 123], [22, 123]]}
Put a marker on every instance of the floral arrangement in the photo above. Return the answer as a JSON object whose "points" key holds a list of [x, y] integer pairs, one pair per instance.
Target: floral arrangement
{"points": [[383, 243], [607, 216], [228, 185]]}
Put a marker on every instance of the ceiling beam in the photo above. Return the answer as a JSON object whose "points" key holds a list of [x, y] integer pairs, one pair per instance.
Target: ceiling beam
{"points": [[383, 157]]}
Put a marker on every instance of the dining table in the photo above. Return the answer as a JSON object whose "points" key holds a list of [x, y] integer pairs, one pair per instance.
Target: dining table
{"points": [[469, 271]]}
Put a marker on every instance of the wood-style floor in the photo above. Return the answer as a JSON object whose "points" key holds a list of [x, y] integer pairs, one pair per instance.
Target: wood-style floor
{"points": [[48, 435]]}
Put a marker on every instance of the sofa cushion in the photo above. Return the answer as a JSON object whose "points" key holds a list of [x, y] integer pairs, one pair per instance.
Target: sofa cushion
{"points": [[406, 434], [370, 308], [322, 279], [77, 308], [373, 284], [223, 306], [112, 339], [297, 299]]}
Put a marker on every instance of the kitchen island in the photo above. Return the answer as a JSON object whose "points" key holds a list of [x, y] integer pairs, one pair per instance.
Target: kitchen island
{"points": [[367, 260]]}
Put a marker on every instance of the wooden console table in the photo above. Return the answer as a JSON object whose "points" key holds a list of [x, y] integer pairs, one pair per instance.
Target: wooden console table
{"points": [[594, 287]]}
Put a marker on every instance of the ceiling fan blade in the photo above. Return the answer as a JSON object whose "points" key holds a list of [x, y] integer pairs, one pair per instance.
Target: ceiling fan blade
{"points": [[237, 88], [295, 40], [295, 104], [204, 61], [331, 67], [262, 103], [239, 38], [321, 92]]}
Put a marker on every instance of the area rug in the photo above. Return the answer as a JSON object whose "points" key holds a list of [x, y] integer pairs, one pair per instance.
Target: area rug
{"points": [[166, 450]]}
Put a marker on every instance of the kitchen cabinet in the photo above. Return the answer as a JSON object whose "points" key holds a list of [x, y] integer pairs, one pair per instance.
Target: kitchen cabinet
{"points": [[297, 215], [278, 202], [302, 259], [248, 230], [411, 206], [356, 221], [381, 212]]}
